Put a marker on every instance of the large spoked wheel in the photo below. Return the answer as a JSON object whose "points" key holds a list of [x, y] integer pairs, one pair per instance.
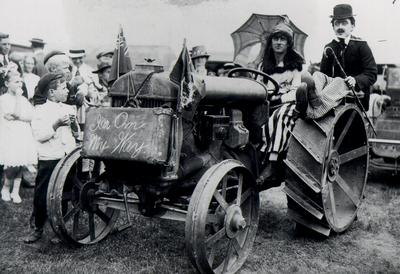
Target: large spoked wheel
{"points": [[327, 167], [222, 219], [73, 213]]}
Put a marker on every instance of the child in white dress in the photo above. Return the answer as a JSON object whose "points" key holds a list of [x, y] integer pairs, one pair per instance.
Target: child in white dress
{"points": [[17, 145]]}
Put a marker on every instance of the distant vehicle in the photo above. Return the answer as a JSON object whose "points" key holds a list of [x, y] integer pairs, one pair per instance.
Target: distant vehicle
{"points": [[385, 147]]}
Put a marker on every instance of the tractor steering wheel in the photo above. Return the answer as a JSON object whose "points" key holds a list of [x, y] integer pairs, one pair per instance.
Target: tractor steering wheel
{"points": [[256, 73]]}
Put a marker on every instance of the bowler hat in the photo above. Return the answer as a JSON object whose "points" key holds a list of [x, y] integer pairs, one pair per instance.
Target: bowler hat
{"points": [[51, 54], [342, 11], [77, 53], [102, 66], [199, 51]]}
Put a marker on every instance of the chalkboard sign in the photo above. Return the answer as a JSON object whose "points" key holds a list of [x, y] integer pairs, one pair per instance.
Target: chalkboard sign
{"points": [[132, 134]]}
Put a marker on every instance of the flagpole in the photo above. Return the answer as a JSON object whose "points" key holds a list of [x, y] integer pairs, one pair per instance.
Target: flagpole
{"points": [[118, 49]]}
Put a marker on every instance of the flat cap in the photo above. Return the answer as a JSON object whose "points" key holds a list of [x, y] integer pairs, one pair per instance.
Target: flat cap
{"points": [[100, 54], [37, 41], [43, 84]]}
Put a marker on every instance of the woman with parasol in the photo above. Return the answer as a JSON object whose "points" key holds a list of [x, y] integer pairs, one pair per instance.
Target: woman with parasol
{"points": [[284, 65]]}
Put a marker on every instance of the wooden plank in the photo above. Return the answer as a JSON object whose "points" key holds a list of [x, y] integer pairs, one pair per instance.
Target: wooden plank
{"points": [[133, 134]]}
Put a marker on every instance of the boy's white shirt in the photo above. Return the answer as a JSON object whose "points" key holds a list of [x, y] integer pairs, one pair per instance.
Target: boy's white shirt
{"points": [[51, 144]]}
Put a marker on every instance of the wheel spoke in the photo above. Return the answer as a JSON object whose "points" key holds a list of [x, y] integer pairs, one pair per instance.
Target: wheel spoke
{"points": [[75, 226], [217, 236], [102, 215], [239, 190], [346, 188], [77, 182], [333, 202], [237, 247], [353, 154], [345, 130], [228, 257], [245, 196], [220, 200], [212, 218], [224, 185], [71, 213], [91, 226]]}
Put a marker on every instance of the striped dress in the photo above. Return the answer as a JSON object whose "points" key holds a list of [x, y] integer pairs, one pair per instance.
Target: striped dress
{"points": [[276, 134]]}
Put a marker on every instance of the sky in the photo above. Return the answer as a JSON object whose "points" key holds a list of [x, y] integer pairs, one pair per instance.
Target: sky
{"points": [[93, 24]]}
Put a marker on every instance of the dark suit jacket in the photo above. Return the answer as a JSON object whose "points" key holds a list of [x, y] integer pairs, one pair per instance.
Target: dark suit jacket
{"points": [[357, 61]]}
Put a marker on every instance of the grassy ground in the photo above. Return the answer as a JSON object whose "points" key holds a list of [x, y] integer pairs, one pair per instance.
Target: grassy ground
{"points": [[371, 245]]}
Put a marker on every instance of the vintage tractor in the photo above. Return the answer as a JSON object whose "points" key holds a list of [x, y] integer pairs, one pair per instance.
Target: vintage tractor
{"points": [[385, 146], [143, 155]]}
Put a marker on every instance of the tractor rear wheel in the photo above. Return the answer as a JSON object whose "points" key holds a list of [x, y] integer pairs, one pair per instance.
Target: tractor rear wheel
{"points": [[326, 170]]}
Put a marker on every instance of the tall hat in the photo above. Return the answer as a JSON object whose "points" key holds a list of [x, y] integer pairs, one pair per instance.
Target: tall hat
{"points": [[76, 53], [342, 11], [199, 51]]}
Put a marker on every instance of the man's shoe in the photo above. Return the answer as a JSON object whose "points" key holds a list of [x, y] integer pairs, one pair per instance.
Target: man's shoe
{"points": [[312, 96], [302, 100], [33, 237]]}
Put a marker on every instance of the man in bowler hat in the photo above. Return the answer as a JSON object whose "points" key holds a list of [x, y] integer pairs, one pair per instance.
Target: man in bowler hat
{"points": [[353, 53]]}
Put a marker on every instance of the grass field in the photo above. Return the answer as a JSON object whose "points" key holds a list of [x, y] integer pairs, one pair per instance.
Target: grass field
{"points": [[371, 245]]}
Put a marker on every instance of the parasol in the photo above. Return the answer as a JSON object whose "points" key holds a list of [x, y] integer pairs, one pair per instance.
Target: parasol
{"points": [[255, 32]]}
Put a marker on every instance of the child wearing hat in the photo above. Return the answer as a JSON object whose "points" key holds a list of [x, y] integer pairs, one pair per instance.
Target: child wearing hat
{"points": [[17, 146], [53, 126]]}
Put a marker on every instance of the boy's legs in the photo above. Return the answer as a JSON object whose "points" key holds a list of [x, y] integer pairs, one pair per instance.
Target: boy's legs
{"points": [[45, 169]]}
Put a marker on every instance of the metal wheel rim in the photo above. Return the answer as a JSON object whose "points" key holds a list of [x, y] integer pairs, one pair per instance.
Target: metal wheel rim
{"points": [[100, 222], [345, 171], [239, 245]]}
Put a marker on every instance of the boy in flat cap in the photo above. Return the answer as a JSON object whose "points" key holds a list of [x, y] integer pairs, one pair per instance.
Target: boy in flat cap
{"points": [[353, 53], [53, 126], [105, 56]]}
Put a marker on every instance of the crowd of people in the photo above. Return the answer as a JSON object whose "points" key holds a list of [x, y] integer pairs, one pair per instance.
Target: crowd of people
{"points": [[43, 98]]}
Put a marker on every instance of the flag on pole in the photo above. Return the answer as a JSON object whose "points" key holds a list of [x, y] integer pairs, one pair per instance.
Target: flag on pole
{"points": [[121, 63], [181, 75]]}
